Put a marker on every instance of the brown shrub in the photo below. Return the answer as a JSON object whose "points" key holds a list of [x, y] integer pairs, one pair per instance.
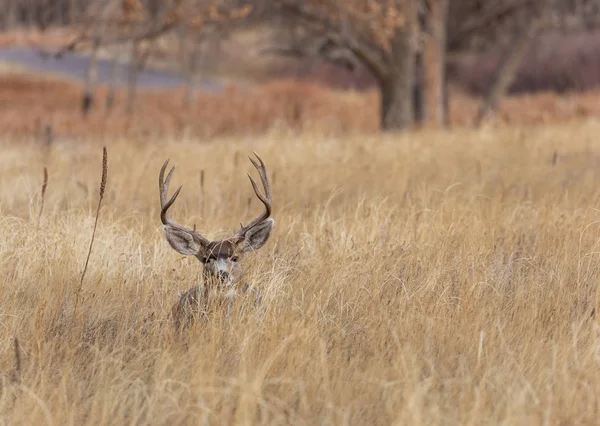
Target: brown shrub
{"points": [[28, 103], [30, 37]]}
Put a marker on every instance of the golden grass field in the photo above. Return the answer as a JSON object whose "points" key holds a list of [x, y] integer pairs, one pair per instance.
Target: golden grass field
{"points": [[430, 278]]}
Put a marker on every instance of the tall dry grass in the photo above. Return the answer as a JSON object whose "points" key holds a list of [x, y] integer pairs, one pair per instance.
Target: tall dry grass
{"points": [[424, 279]]}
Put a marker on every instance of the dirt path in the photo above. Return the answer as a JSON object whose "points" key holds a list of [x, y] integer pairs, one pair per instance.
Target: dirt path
{"points": [[74, 66]]}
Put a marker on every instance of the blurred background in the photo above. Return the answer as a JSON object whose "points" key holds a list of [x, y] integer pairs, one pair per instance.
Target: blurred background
{"points": [[203, 68]]}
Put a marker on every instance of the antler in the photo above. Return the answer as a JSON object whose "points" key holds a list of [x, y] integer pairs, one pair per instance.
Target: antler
{"points": [[163, 186], [266, 199]]}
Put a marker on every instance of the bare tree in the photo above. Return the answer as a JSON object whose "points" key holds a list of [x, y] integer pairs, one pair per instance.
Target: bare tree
{"points": [[381, 35], [118, 25], [527, 23], [87, 101], [507, 70], [114, 79], [405, 43], [200, 20], [190, 65]]}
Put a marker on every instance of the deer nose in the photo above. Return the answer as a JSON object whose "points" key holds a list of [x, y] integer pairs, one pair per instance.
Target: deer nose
{"points": [[224, 275]]}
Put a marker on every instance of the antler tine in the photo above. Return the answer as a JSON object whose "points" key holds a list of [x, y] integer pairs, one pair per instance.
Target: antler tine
{"points": [[266, 199], [164, 190], [261, 197], [163, 185], [164, 216], [262, 171]]}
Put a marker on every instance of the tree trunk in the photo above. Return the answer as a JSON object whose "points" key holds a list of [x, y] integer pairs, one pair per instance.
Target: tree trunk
{"points": [[397, 86], [183, 33], [446, 100], [435, 65], [397, 102], [190, 71], [111, 95], [87, 102], [419, 89], [144, 55], [506, 71], [57, 14], [133, 76], [73, 11], [10, 14]]}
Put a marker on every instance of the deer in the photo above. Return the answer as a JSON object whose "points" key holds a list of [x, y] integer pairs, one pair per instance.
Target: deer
{"points": [[222, 271]]}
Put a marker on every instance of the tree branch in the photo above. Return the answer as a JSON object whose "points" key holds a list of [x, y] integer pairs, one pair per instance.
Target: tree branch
{"points": [[339, 35], [475, 23]]}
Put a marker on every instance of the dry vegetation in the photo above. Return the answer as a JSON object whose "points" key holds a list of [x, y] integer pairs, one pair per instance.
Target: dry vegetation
{"points": [[51, 38], [28, 102], [424, 279]]}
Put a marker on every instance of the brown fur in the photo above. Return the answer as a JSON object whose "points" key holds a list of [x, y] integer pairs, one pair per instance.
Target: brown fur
{"points": [[191, 302], [196, 302]]}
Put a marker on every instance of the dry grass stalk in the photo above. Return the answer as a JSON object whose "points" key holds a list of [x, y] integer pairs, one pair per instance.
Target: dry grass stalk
{"points": [[202, 211], [17, 373], [44, 186], [48, 137], [101, 195]]}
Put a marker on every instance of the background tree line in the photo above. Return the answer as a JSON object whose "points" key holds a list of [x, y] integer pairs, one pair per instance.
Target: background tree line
{"points": [[404, 44]]}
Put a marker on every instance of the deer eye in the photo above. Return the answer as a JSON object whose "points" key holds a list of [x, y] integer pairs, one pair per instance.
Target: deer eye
{"points": [[234, 259]]}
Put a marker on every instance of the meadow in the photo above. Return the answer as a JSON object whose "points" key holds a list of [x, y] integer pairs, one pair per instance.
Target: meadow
{"points": [[427, 278]]}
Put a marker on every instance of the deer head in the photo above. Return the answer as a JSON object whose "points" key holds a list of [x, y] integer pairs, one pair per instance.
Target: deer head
{"points": [[221, 258]]}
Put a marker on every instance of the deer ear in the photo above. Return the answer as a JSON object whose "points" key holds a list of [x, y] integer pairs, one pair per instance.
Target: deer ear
{"points": [[257, 236], [182, 241]]}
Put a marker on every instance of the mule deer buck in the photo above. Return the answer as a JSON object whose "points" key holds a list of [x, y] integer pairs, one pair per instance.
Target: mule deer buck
{"points": [[222, 271]]}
